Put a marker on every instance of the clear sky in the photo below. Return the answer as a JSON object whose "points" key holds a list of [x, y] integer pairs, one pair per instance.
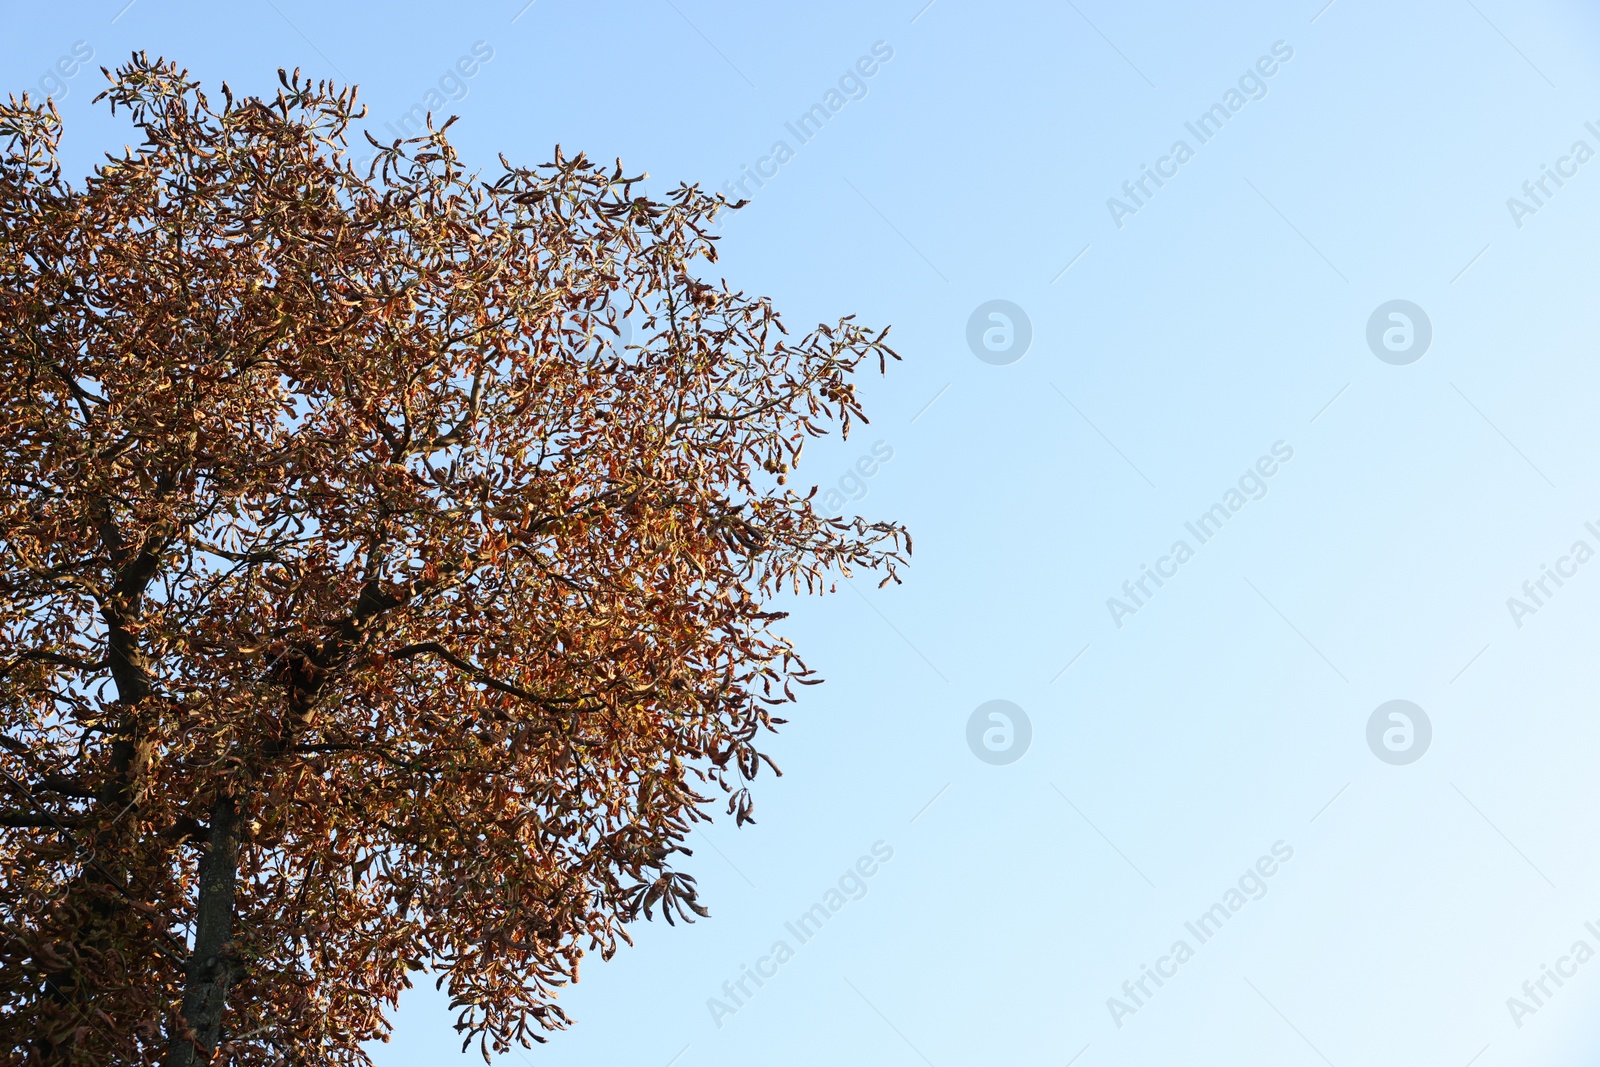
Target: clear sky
{"points": [[1209, 757]]}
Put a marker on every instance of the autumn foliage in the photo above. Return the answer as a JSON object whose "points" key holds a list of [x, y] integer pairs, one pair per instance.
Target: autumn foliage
{"points": [[369, 601]]}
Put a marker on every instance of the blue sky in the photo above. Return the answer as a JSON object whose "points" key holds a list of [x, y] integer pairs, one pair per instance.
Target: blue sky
{"points": [[1220, 324]]}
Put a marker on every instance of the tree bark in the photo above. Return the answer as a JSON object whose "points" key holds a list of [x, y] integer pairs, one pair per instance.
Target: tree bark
{"points": [[212, 966]]}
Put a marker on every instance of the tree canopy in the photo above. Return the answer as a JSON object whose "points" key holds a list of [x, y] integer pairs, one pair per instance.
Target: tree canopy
{"points": [[369, 601]]}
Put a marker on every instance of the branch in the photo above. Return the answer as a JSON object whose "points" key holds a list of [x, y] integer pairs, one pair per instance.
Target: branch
{"points": [[184, 830], [455, 436], [478, 673], [49, 780], [57, 658], [67, 787], [375, 750], [241, 557], [31, 820]]}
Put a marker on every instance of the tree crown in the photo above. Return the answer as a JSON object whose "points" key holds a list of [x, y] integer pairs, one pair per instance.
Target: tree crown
{"points": [[395, 547]]}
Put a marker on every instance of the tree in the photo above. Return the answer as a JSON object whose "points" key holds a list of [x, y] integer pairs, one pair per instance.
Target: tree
{"points": [[368, 604]]}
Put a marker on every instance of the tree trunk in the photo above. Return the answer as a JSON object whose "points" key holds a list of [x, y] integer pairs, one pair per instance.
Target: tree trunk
{"points": [[211, 961]]}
